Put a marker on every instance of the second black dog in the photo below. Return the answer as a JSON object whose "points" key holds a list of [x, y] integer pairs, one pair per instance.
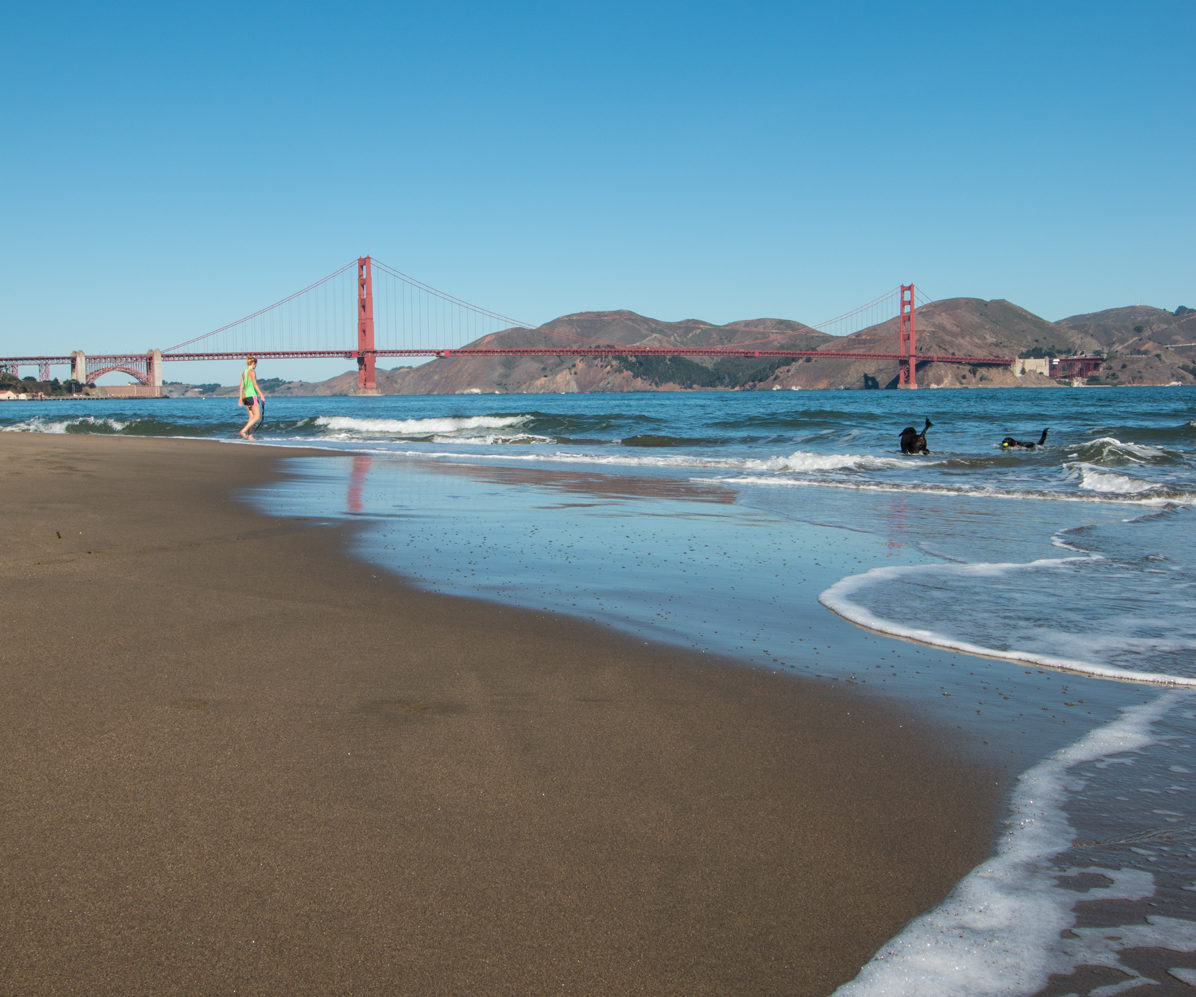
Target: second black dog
{"points": [[1009, 442]]}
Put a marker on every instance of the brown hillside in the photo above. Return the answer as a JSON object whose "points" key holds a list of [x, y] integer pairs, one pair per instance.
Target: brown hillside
{"points": [[625, 328], [1144, 345], [973, 327], [955, 327], [1121, 330], [455, 375]]}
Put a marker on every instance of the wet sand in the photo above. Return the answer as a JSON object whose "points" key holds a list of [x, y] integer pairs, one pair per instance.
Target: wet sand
{"points": [[233, 759]]}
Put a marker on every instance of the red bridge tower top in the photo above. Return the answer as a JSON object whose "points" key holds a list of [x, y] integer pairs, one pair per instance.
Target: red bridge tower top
{"points": [[908, 371], [366, 354]]}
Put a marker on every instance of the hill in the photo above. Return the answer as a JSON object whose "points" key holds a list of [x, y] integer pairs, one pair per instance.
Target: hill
{"points": [[449, 375], [956, 326], [1143, 346]]}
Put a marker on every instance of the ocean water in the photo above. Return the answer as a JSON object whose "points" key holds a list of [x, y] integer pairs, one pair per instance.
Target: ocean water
{"points": [[1041, 604]]}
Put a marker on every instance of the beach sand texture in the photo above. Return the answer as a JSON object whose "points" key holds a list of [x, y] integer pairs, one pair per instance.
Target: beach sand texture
{"points": [[236, 760]]}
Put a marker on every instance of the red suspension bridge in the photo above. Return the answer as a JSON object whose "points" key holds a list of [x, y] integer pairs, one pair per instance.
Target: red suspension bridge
{"points": [[396, 315]]}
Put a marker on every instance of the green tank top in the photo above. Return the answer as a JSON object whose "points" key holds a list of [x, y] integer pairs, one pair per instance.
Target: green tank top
{"points": [[248, 389]]}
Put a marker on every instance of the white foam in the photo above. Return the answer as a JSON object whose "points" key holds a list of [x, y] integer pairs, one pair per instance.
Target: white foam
{"points": [[1110, 446], [839, 599], [1093, 479], [1145, 498], [800, 468], [61, 426], [493, 439], [416, 427], [738, 470], [799, 461], [33, 426], [659, 460], [803, 461], [998, 933]]}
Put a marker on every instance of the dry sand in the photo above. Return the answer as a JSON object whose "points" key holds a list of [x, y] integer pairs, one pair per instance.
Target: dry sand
{"points": [[235, 760]]}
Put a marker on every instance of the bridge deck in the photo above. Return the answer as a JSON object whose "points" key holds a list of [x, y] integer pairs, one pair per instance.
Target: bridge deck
{"points": [[597, 351]]}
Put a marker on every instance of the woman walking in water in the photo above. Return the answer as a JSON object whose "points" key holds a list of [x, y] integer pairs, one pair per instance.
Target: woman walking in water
{"points": [[251, 397]]}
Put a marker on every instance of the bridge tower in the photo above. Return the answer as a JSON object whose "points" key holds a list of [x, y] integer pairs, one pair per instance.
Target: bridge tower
{"points": [[365, 328], [153, 372], [908, 376]]}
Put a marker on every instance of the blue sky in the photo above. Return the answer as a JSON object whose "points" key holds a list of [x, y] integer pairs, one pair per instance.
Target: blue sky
{"points": [[170, 168]]}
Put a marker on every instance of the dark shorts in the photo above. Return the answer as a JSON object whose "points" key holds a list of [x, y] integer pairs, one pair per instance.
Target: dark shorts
{"points": [[250, 400]]}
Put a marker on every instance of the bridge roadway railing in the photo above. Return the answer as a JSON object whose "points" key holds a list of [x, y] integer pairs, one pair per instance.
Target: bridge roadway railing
{"points": [[689, 351], [590, 351], [134, 364]]}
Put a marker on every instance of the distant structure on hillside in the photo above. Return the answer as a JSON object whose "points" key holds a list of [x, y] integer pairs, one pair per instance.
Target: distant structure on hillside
{"points": [[1067, 368], [1059, 368], [1032, 365]]}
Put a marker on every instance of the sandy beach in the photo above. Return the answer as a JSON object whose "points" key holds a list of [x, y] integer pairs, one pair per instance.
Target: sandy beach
{"points": [[235, 760]]}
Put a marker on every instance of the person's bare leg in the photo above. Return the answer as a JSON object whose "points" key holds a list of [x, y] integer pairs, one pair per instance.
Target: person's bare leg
{"points": [[246, 430]]}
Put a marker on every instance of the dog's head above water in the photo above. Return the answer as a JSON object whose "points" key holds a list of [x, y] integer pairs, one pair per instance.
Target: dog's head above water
{"points": [[1009, 442]]}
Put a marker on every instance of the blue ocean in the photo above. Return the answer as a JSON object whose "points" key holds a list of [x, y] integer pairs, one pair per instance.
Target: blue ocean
{"points": [[1037, 605]]}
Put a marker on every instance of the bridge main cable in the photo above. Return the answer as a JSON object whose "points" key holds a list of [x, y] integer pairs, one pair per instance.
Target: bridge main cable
{"points": [[263, 311], [451, 299]]}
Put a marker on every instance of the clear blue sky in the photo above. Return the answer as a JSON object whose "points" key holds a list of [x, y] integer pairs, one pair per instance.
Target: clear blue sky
{"points": [[168, 168]]}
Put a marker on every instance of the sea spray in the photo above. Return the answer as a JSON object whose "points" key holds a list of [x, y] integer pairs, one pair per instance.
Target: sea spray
{"points": [[1005, 928]]}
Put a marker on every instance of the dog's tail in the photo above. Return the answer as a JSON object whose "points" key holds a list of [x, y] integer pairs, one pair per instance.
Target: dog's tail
{"points": [[927, 426], [1042, 438]]}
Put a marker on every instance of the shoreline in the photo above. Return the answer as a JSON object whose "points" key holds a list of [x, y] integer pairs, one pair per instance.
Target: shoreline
{"points": [[237, 757], [1124, 678]]}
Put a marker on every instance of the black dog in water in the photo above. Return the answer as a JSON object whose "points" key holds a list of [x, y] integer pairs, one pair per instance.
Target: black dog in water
{"points": [[1010, 442], [914, 442]]}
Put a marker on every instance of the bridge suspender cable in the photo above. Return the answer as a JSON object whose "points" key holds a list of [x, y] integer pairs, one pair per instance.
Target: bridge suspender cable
{"points": [[451, 299], [262, 311]]}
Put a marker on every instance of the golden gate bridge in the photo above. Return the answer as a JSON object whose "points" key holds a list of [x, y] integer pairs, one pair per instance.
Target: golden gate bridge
{"points": [[395, 315]]}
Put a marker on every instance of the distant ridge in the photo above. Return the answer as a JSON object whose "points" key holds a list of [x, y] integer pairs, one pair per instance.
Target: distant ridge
{"points": [[1143, 345]]}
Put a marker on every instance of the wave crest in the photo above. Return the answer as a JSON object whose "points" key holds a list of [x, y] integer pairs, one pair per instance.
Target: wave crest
{"points": [[1104, 634], [350, 427]]}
